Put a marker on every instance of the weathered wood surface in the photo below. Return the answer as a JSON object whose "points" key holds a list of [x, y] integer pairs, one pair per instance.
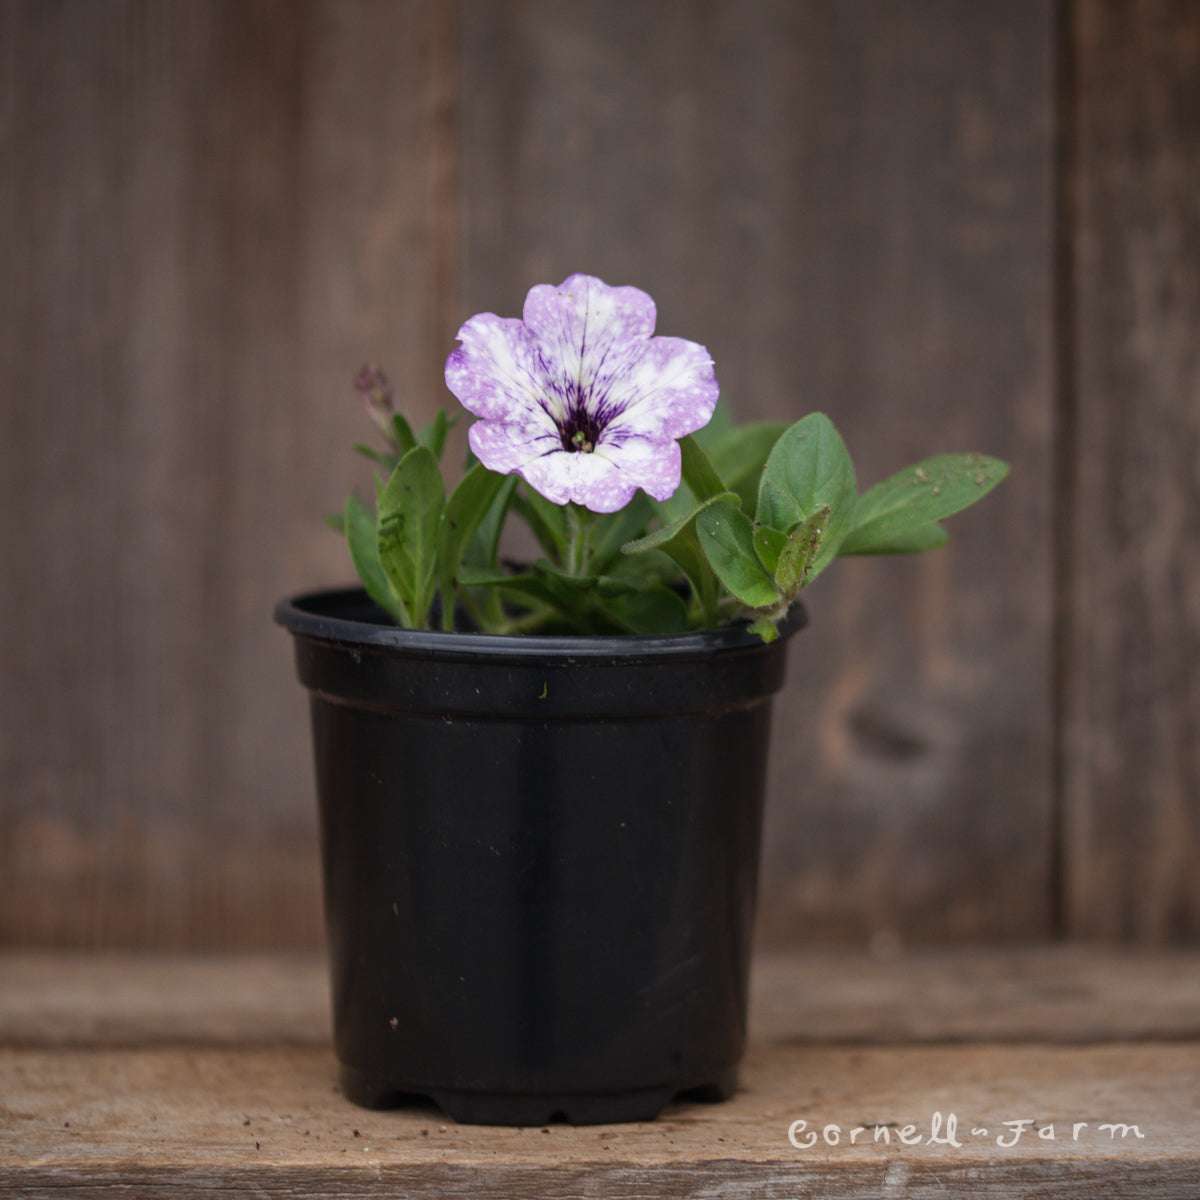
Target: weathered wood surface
{"points": [[1132, 599], [215, 1122], [1042, 993], [212, 212], [53, 999], [197, 1118]]}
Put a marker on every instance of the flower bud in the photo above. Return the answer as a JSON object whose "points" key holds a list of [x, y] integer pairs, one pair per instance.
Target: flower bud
{"points": [[373, 386]]}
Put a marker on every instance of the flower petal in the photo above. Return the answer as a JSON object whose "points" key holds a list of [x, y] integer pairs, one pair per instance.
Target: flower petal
{"points": [[655, 466], [671, 391], [585, 330], [508, 446], [581, 321], [587, 479], [495, 372]]}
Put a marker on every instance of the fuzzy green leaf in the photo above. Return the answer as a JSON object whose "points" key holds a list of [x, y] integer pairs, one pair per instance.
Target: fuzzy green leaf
{"points": [[698, 473], [809, 469], [402, 434], [768, 545], [546, 520], [792, 571], [410, 510], [434, 433], [738, 455], [918, 496], [358, 524], [466, 508], [767, 628], [484, 545], [612, 531], [570, 597], [680, 541], [649, 610], [914, 541], [659, 538], [727, 539]]}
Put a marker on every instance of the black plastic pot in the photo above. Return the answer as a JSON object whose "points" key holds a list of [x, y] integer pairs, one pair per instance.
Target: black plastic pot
{"points": [[540, 860]]}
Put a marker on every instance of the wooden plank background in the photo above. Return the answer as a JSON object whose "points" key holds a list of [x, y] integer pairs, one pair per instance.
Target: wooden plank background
{"points": [[947, 225], [1131, 596]]}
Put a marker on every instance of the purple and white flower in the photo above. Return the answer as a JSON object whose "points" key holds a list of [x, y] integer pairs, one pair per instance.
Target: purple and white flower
{"points": [[578, 397]]}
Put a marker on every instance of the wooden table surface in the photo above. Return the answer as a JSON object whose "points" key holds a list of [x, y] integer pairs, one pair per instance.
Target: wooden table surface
{"points": [[1032, 1072]]}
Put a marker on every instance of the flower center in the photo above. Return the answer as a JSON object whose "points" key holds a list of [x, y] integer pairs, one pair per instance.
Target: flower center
{"points": [[579, 430]]}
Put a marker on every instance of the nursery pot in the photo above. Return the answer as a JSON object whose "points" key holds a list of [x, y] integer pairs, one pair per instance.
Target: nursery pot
{"points": [[540, 859]]}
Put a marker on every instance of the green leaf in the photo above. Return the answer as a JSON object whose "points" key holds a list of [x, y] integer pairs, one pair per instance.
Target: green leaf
{"points": [[766, 627], [612, 531], [569, 585], [739, 454], [807, 470], [924, 537], [568, 596], [483, 550], [402, 434], [727, 539], [590, 604], [698, 472], [358, 523], [466, 508], [484, 546], [602, 602], [546, 520], [648, 566], [787, 558], [768, 545], [919, 496], [433, 435], [680, 540], [410, 510], [659, 538], [649, 610], [526, 586], [483, 577], [792, 571]]}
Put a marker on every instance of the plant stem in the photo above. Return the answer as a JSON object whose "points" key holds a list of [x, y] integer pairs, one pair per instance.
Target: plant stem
{"points": [[579, 527]]}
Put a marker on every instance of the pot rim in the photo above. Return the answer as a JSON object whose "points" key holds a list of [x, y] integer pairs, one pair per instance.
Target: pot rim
{"points": [[321, 616]]}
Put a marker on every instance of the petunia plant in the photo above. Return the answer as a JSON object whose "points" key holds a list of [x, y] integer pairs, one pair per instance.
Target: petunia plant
{"points": [[653, 513]]}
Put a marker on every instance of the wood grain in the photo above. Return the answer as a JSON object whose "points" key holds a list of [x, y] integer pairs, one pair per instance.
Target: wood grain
{"points": [[220, 210], [1051, 994], [1132, 621], [852, 209], [225, 1098], [211, 1122], [212, 213]]}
